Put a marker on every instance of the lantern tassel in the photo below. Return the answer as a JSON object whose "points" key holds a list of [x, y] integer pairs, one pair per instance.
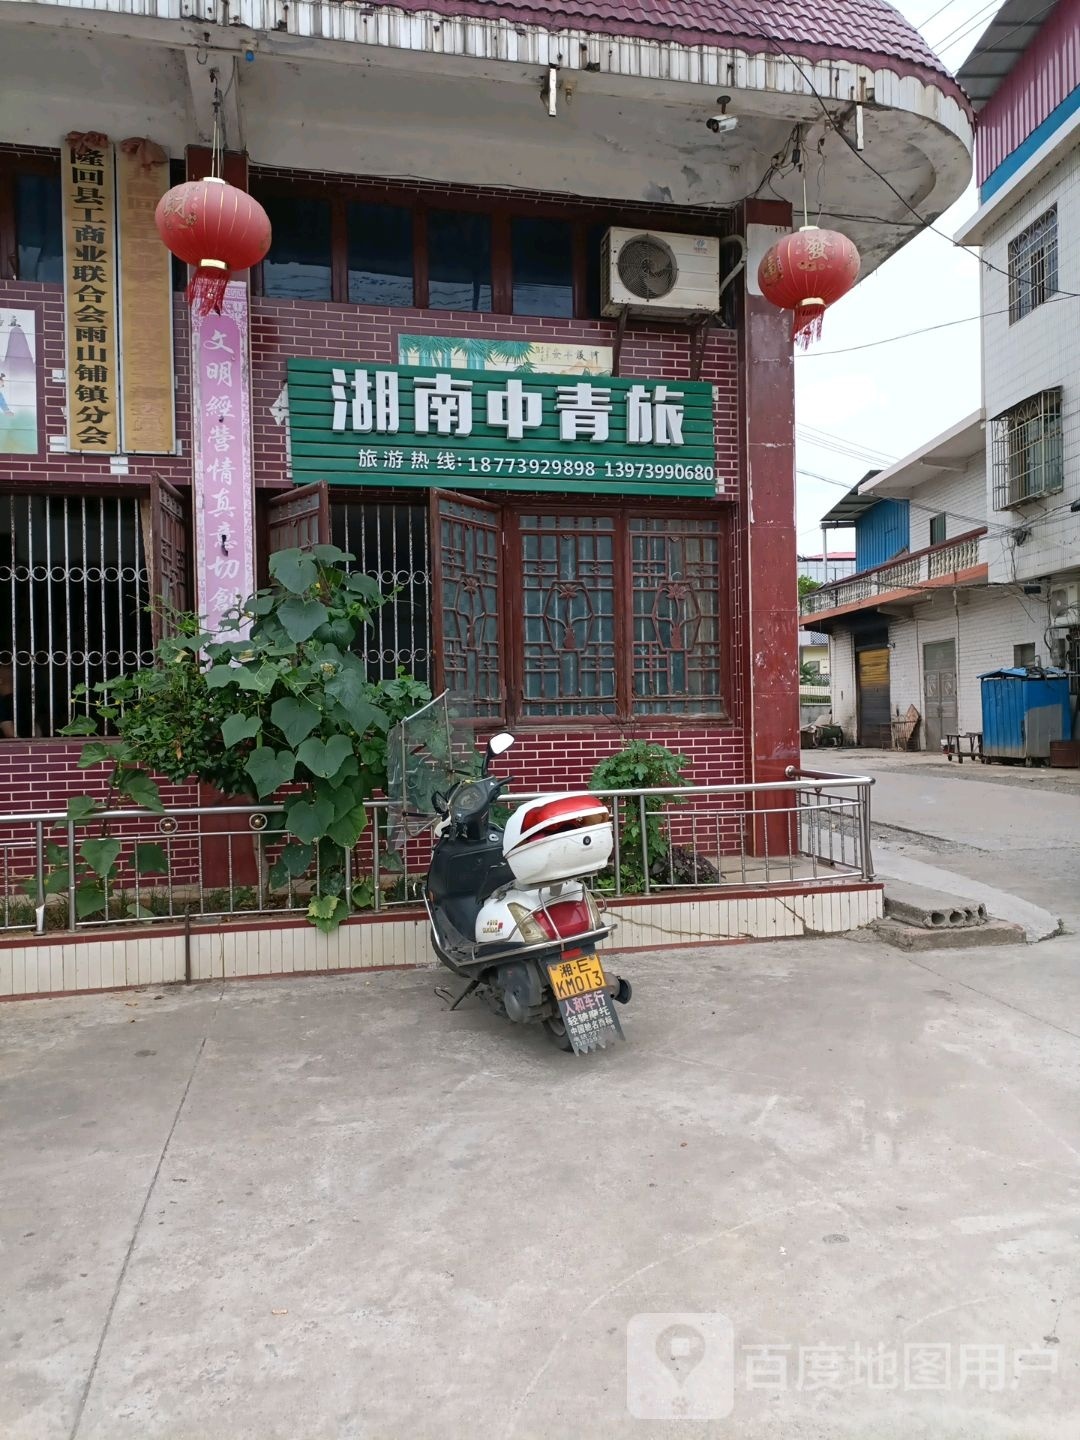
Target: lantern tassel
{"points": [[206, 290], [806, 322]]}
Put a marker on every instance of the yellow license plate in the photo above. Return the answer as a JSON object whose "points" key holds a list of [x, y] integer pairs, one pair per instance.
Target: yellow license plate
{"points": [[576, 977]]}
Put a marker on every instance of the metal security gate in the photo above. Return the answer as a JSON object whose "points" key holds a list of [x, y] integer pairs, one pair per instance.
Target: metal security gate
{"points": [[939, 691], [872, 686]]}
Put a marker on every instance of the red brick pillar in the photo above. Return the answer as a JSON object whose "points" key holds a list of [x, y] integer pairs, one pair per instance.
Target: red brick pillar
{"points": [[768, 387]]}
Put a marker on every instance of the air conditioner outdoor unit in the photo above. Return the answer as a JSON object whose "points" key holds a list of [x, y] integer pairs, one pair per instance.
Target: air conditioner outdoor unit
{"points": [[1065, 606], [651, 273]]}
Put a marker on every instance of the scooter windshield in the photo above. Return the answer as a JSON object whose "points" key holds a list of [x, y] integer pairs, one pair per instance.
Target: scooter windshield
{"points": [[427, 753]]}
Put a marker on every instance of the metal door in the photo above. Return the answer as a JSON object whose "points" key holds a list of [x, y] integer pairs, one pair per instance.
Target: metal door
{"points": [[872, 677], [939, 692]]}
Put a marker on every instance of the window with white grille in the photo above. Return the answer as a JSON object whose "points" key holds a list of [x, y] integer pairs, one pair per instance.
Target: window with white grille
{"points": [[1033, 266], [1028, 452]]}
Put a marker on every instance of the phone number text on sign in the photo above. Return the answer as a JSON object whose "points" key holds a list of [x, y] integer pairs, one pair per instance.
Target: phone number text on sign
{"points": [[517, 465]]}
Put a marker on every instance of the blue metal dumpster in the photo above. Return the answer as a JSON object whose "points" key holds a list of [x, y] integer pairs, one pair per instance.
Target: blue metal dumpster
{"points": [[1022, 711]]}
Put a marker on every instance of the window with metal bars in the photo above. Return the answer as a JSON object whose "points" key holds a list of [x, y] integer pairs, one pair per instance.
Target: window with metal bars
{"points": [[1028, 453], [390, 543], [1033, 265], [74, 587]]}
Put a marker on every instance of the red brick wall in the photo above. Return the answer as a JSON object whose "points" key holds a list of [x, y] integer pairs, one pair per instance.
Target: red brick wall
{"points": [[42, 775], [75, 470], [314, 329]]}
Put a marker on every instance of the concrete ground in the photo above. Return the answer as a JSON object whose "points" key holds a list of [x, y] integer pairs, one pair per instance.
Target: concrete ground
{"points": [[330, 1208], [1004, 826]]}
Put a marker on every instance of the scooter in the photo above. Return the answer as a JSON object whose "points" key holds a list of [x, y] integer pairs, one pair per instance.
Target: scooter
{"points": [[510, 912]]}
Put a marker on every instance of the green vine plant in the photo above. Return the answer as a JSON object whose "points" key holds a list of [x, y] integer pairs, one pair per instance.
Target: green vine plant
{"points": [[286, 705]]}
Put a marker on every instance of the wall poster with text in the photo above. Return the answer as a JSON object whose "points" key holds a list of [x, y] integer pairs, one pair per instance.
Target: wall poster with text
{"points": [[87, 184]]}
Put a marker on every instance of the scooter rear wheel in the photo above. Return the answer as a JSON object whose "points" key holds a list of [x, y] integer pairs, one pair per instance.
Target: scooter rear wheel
{"points": [[556, 1033]]}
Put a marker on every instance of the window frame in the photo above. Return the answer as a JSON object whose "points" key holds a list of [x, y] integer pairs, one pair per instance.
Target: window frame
{"points": [[148, 526], [939, 521], [1022, 257], [1012, 488], [582, 218], [512, 626], [13, 163], [507, 509]]}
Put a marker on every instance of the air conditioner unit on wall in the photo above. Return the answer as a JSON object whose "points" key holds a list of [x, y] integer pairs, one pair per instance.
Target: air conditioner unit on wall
{"points": [[651, 273], [1065, 606]]}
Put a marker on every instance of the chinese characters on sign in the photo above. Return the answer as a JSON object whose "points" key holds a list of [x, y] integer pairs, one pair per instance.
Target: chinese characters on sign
{"points": [[584, 1004], [460, 352], [90, 294], [223, 497], [146, 355], [366, 424]]}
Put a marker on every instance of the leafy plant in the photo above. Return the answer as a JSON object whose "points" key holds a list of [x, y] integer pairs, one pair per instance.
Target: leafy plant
{"points": [[807, 586], [642, 766], [284, 704]]}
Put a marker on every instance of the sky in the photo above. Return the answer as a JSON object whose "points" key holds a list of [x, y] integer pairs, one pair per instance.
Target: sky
{"points": [[885, 401]]}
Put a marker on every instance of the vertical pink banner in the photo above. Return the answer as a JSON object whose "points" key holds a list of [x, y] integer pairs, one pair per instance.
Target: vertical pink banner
{"points": [[224, 499]]}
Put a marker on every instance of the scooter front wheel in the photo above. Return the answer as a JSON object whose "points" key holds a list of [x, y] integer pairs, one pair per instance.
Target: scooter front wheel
{"points": [[556, 1033]]}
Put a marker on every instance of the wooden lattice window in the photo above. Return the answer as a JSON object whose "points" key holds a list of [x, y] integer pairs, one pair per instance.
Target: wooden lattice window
{"points": [[568, 573], [675, 573]]}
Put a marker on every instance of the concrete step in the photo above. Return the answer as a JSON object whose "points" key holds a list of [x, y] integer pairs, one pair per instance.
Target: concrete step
{"points": [[931, 909], [917, 938]]}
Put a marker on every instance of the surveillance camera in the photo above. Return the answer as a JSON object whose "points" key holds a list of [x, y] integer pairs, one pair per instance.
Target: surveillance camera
{"points": [[721, 124]]}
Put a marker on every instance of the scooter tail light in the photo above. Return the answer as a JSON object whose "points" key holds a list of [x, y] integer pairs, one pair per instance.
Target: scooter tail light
{"points": [[565, 919], [531, 926]]}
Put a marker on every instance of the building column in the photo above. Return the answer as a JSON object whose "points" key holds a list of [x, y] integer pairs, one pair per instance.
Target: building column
{"points": [[768, 412]]}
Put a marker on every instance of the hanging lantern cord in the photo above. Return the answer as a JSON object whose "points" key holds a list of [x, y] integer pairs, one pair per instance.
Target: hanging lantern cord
{"points": [[217, 165]]}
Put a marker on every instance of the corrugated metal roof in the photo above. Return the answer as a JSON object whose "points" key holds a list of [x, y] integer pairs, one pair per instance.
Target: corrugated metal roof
{"points": [[850, 506], [867, 30], [999, 48]]}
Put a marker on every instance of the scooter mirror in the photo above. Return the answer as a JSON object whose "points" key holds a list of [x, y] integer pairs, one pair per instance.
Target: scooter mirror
{"points": [[499, 744]]}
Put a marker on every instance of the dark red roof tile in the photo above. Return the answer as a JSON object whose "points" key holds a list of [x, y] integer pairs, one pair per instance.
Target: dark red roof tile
{"points": [[865, 31]]}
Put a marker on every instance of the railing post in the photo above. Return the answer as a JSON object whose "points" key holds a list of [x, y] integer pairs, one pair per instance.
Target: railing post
{"points": [[39, 849], [72, 912], [644, 844], [617, 855], [864, 821], [376, 873]]}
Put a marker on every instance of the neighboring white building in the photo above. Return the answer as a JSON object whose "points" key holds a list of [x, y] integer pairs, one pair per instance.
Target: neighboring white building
{"points": [[968, 550], [918, 628], [1024, 80]]}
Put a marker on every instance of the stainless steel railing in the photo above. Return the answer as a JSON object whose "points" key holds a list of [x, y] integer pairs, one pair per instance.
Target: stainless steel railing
{"points": [[199, 862]]}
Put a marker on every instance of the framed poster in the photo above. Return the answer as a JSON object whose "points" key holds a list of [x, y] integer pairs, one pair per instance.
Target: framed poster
{"points": [[20, 400]]}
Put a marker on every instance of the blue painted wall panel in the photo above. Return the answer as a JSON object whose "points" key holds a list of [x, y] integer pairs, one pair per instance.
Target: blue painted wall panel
{"points": [[881, 533]]}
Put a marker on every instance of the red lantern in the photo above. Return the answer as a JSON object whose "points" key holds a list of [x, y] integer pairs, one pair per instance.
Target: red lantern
{"points": [[807, 272], [216, 228]]}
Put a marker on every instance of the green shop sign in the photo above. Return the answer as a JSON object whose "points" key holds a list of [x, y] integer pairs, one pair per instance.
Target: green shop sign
{"points": [[491, 430]]}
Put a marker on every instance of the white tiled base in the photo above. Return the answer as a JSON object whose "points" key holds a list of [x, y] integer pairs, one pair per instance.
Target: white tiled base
{"points": [[146, 958], [765, 917]]}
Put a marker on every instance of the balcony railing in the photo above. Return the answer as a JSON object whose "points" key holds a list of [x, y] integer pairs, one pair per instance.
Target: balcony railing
{"points": [[214, 863], [907, 572]]}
